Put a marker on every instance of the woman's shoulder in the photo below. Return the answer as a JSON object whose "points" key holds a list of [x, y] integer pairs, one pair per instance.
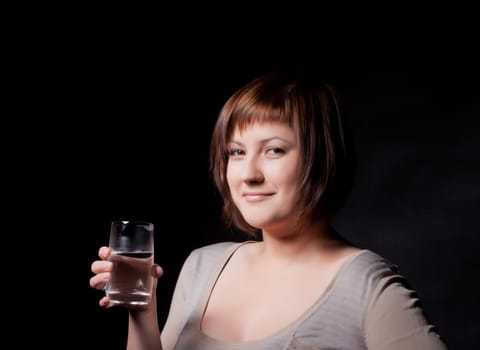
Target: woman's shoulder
{"points": [[206, 261], [213, 253], [217, 246], [369, 264], [358, 277], [215, 249]]}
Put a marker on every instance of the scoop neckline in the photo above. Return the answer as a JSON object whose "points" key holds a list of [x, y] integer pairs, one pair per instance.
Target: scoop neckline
{"points": [[289, 328]]}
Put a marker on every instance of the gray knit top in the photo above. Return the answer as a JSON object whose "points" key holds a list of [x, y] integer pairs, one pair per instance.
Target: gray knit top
{"points": [[368, 305]]}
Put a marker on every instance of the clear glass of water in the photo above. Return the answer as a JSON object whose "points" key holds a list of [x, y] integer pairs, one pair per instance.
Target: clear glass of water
{"points": [[132, 256]]}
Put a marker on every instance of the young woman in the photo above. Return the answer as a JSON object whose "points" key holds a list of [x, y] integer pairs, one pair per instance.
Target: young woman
{"points": [[282, 160]]}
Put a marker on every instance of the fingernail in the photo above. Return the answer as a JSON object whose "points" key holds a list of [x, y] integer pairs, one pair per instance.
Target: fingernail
{"points": [[103, 252]]}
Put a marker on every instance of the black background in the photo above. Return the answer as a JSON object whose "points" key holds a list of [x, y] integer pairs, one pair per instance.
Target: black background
{"points": [[121, 113]]}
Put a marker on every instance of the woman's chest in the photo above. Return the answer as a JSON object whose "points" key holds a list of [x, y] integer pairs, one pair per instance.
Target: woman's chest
{"points": [[248, 306]]}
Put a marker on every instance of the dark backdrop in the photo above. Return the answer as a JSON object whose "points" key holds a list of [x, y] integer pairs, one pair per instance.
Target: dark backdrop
{"points": [[128, 127]]}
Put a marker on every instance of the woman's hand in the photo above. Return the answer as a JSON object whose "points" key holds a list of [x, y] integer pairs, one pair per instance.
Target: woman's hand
{"points": [[102, 270]]}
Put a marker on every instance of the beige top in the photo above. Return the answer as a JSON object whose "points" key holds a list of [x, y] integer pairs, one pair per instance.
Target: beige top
{"points": [[368, 305]]}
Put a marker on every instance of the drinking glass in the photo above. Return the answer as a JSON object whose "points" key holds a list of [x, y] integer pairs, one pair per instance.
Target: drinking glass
{"points": [[132, 256]]}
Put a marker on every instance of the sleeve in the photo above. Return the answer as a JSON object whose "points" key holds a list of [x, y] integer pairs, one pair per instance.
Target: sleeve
{"points": [[396, 320], [178, 312]]}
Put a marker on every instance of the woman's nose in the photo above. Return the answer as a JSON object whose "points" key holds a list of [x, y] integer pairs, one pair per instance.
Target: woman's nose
{"points": [[252, 172]]}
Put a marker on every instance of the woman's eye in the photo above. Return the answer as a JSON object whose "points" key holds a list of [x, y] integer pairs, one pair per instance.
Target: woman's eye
{"points": [[275, 151], [235, 152]]}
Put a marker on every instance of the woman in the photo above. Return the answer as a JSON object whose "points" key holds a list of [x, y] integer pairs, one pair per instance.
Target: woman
{"points": [[282, 160]]}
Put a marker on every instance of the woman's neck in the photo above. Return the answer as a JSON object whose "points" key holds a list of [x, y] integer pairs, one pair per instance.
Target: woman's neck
{"points": [[309, 240]]}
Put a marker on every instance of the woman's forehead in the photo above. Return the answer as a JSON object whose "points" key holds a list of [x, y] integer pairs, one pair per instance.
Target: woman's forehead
{"points": [[264, 130], [244, 126]]}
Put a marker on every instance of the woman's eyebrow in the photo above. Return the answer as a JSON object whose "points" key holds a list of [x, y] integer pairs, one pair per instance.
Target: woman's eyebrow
{"points": [[263, 141]]}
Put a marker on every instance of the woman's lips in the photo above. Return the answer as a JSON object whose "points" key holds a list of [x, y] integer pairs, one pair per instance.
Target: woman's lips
{"points": [[255, 196]]}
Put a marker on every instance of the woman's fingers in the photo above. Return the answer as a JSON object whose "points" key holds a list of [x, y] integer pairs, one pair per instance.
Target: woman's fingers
{"points": [[157, 271], [104, 302], [102, 270], [104, 253], [99, 281], [99, 266]]}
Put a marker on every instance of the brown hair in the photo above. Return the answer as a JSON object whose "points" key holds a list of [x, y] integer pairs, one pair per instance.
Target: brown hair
{"points": [[311, 107]]}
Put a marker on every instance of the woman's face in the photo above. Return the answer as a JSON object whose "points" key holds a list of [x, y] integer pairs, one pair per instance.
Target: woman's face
{"points": [[262, 173]]}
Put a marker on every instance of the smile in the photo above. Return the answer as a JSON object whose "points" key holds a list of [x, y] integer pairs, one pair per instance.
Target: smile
{"points": [[256, 197]]}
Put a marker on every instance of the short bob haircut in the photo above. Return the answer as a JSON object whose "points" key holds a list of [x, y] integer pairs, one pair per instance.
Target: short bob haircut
{"points": [[311, 107]]}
